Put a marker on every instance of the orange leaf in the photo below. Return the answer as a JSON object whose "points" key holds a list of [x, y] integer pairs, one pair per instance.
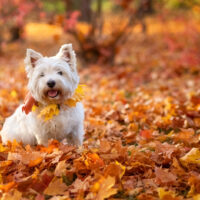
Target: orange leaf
{"points": [[35, 162], [147, 134], [5, 163], [7, 187]]}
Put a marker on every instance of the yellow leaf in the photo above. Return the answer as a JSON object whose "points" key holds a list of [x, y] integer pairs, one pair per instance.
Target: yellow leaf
{"points": [[34, 108], [49, 112], [52, 110], [122, 167], [196, 197], [165, 194], [192, 157], [35, 174], [77, 97], [2, 148], [106, 189], [71, 102], [13, 93]]}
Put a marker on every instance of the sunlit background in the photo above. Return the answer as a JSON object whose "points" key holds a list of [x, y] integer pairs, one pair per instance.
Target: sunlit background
{"points": [[102, 31]]}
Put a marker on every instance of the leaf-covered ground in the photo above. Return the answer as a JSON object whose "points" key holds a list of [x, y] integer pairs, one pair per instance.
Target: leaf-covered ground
{"points": [[142, 125]]}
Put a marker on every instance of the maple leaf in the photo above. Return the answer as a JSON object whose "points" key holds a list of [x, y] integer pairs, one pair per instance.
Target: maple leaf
{"points": [[115, 169]]}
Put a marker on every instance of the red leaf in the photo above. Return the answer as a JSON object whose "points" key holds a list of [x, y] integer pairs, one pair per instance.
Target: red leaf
{"points": [[29, 102]]}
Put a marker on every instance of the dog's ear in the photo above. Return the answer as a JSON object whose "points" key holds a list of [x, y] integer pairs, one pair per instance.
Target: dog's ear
{"points": [[32, 57], [67, 53], [30, 61]]}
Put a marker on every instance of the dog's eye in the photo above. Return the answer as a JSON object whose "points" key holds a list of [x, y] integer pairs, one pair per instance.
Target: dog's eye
{"points": [[60, 73], [42, 74]]}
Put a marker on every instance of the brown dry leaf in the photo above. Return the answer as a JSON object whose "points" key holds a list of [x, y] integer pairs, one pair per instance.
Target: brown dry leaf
{"points": [[60, 168], [12, 195], [56, 187], [106, 188], [32, 158], [115, 169], [164, 176], [104, 146]]}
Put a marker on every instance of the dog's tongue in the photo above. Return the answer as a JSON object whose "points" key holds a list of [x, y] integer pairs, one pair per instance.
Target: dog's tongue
{"points": [[52, 93]]}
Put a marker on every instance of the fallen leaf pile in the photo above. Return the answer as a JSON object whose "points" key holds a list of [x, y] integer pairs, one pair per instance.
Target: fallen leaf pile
{"points": [[142, 129]]}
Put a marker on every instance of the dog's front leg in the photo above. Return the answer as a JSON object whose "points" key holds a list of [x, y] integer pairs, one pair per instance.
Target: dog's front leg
{"points": [[77, 136], [42, 140]]}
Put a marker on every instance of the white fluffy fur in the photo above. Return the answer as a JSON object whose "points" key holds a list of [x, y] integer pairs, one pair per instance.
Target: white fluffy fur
{"points": [[69, 123]]}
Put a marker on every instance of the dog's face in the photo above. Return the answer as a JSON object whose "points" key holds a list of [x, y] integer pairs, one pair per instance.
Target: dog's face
{"points": [[52, 79]]}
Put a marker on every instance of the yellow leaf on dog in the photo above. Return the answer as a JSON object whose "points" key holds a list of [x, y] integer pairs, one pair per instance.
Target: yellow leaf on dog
{"points": [[52, 110], [49, 111], [77, 97]]}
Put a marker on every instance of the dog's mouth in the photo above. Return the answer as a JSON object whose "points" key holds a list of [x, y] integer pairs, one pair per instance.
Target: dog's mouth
{"points": [[52, 93]]}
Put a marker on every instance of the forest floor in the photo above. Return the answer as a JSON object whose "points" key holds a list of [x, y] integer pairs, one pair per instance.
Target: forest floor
{"points": [[142, 137]]}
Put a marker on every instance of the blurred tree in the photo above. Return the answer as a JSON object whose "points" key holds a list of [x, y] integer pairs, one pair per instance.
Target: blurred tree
{"points": [[12, 17], [145, 7], [83, 5], [95, 44], [86, 12]]}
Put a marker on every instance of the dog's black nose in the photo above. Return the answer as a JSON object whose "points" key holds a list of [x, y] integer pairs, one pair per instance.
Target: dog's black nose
{"points": [[51, 83]]}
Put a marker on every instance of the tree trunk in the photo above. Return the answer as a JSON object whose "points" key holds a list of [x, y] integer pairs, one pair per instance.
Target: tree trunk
{"points": [[86, 12], [68, 5]]}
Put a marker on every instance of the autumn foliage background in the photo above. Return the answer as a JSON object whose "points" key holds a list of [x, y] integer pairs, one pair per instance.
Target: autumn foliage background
{"points": [[141, 63]]}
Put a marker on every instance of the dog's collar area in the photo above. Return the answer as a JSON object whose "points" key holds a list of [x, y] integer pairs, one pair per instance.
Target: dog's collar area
{"points": [[51, 110]]}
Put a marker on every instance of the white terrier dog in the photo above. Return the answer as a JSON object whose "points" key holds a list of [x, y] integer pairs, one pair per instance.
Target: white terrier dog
{"points": [[52, 80]]}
